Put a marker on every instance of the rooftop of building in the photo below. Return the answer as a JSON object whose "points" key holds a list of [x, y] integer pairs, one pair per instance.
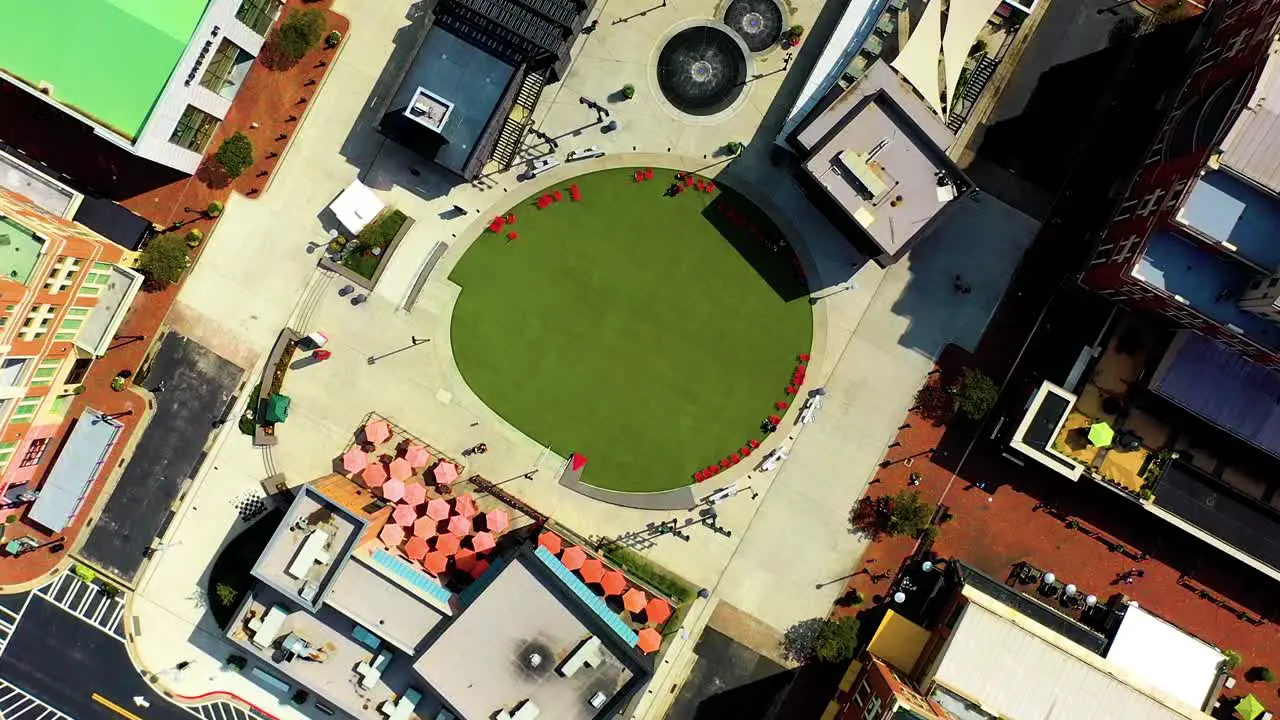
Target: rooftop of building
{"points": [[1237, 215], [1251, 147], [19, 251], [483, 662], [114, 299], [108, 61], [364, 594], [47, 193], [310, 548], [880, 154]]}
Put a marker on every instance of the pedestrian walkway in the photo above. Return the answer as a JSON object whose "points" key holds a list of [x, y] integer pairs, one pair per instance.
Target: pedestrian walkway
{"points": [[17, 704], [222, 710], [86, 601]]}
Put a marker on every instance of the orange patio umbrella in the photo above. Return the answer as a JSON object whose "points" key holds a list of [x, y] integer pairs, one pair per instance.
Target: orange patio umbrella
{"points": [[445, 472], [393, 490], [425, 527], [464, 559], [550, 541], [404, 515], [649, 641], [415, 493], [658, 611], [483, 542], [495, 521], [416, 548], [634, 600], [392, 535], [459, 525], [417, 456], [448, 544], [592, 570], [573, 557], [479, 568], [355, 460], [613, 583], [400, 469], [377, 431], [435, 562], [374, 475], [438, 509], [465, 505]]}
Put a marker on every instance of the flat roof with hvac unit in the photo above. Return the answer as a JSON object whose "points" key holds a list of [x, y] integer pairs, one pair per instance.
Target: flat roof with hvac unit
{"points": [[78, 463]]}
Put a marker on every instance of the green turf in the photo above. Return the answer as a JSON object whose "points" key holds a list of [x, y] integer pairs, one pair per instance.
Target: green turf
{"points": [[628, 328], [107, 59]]}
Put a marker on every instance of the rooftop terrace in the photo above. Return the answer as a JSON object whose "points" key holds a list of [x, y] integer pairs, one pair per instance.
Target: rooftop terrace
{"points": [[106, 60], [19, 251], [309, 549], [1235, 214]]}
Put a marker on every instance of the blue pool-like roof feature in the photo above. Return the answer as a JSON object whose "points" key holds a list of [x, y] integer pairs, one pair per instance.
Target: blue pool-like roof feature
{"points": [[585, 594], [1229, 210], [416, 578], [1210, 282]]}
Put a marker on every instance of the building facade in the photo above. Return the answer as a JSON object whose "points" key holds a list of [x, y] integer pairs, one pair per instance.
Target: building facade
{"points": [[64, 290], [1190, 236]]}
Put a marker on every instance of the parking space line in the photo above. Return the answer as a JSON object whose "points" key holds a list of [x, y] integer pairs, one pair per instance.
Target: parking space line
{"points": [[85, 601], [15, 702]]}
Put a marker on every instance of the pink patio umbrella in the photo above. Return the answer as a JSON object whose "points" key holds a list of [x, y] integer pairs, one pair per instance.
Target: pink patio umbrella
{"points": [[393, 490], [495, 521], [464, 559], [634, 600], [404, 515], [435, 562], [355, 460], [415, 493], [438, 509], [392, 535], [479, 568], [448, 544], [416, 548], [483, 542], [658, 611], [465, 505], [445, 472], [425, 527], [649, 641], [400, 469], [550, 541], [613, 583], [417, 456], [459, 525], [377, 431], [592, 570], [374, 475], [573, 557]]}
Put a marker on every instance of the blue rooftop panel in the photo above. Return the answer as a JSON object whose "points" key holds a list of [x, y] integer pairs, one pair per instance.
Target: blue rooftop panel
{"points": [[584, 593], [1230, 210], [1209, 282], [416, 578]]}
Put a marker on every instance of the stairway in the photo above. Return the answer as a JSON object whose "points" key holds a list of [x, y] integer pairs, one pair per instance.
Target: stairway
{"points": [[519, 120], [973, 88]]}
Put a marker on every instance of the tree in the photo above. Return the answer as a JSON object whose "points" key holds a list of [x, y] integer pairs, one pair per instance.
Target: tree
{"points": [[975, 394], [908, 514], [295, 37], [235, 155], [837, 640], [163, 261], [1231, 660], [800, 641], [226, 594]]}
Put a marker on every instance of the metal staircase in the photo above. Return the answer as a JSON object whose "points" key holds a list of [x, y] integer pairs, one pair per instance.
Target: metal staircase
{"points": [[513, 129], [973, 88]]}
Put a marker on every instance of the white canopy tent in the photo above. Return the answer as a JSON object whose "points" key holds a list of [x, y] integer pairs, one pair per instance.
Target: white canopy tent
{"points": [[356, 207], [1166, 658], [918, 59]]}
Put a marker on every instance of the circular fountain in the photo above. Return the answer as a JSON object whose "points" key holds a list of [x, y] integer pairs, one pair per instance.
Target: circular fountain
{"points": [[702, 70], [760, 23]]}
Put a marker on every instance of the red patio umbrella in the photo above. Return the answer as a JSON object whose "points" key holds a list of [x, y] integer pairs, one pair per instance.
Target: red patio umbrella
{"points": [[393, 490], [613, 583], [483, 542], [658, 611], [416, 548], [445, 472], [464, 559], [573, 557], [448, 544], [495, 521], [592, 570], [377, 431], [465, 505], [438, 509], [459, 525], [649, 641], [400, 469], [355, 460], [550, 541], [425, 527], [435, 562], [417, 456], [392, 535], [415, 493], [635, 600], [479, 568], [374, 475], [404, 515]]}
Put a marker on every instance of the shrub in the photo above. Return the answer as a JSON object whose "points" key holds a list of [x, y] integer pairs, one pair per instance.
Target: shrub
{"points": [[163, 261], [1146, 493], [796, 31], [117, 384], [657, 577], [800, 641], [837, 640], [11, 519], [1231, 660], [214, 209], [235, 155], [84, 573], [194, 237], [226, 594], [77, 390], [295, 37], [733, 147], [628, 91], [333, 39], [908, 514], [975, 394]]}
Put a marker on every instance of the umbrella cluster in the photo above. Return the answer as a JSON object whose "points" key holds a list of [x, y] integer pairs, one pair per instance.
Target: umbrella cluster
{"points": [[436, 532], [414, 458], [612, 583]]}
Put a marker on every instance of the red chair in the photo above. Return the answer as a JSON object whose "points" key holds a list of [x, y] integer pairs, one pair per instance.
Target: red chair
{"points": [[790, 390], [754, 443], [511, 218], [648, 173], [735, 458], [639, 176], [781, 405], [804, 357], [513, 235], [558, 196], [775, 419], [711, 186], [725, 463]]}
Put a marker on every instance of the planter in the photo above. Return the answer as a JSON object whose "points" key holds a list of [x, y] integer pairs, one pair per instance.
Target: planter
{"points": [[272, 381], [369, 283]]}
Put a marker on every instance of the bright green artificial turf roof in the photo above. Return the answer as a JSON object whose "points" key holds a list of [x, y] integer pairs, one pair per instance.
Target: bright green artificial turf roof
{"points": [[627, 328], [107, 59]]}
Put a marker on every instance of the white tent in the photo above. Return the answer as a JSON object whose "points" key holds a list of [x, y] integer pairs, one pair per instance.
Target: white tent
{"points": [[356, 207], [918, 59], [965, 19]]}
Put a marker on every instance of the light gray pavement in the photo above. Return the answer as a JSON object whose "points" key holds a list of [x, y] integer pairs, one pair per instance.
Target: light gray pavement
{"points": [[874, 342]]}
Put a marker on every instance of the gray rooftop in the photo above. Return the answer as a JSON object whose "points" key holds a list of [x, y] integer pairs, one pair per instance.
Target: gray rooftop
{"points": [[1252, 145], [877, 151], [47, 193], [479, 664], [78, 463], [281, 564], [373, 600], [113, 302]]}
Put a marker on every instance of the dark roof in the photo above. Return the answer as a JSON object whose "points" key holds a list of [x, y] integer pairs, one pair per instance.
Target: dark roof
{"points": [[114, 222], [1040, 432], [1220, 511], [536, 32]]}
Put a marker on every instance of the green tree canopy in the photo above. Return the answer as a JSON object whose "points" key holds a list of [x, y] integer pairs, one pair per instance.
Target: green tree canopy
{"points": [[163, 260], [837, 640], [975, 394], [908, 514], [235, 154]]}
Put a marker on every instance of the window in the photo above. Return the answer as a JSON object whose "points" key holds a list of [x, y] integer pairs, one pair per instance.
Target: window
{"points": [[258, 14], [872, 710], [6, 453], [35, 452], [218, 75], [62, 275], [1125, 249], [12, 370], [194, 129], [25, 410], [97, 277], [37, 323], [1150, 202], [863, 694], [45, 372]]}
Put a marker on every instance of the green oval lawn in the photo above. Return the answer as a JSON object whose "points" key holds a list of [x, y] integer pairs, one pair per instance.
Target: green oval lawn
{"points": [[629, 328]]}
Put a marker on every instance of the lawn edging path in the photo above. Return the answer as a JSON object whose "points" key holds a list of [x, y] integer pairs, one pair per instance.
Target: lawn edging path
{"points": [[649, 333]]}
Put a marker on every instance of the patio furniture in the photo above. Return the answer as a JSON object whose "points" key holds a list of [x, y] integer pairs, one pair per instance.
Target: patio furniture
{"points": [[265, 628], [311, 552], [886, 25], [366, 638], [371, 672]]}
